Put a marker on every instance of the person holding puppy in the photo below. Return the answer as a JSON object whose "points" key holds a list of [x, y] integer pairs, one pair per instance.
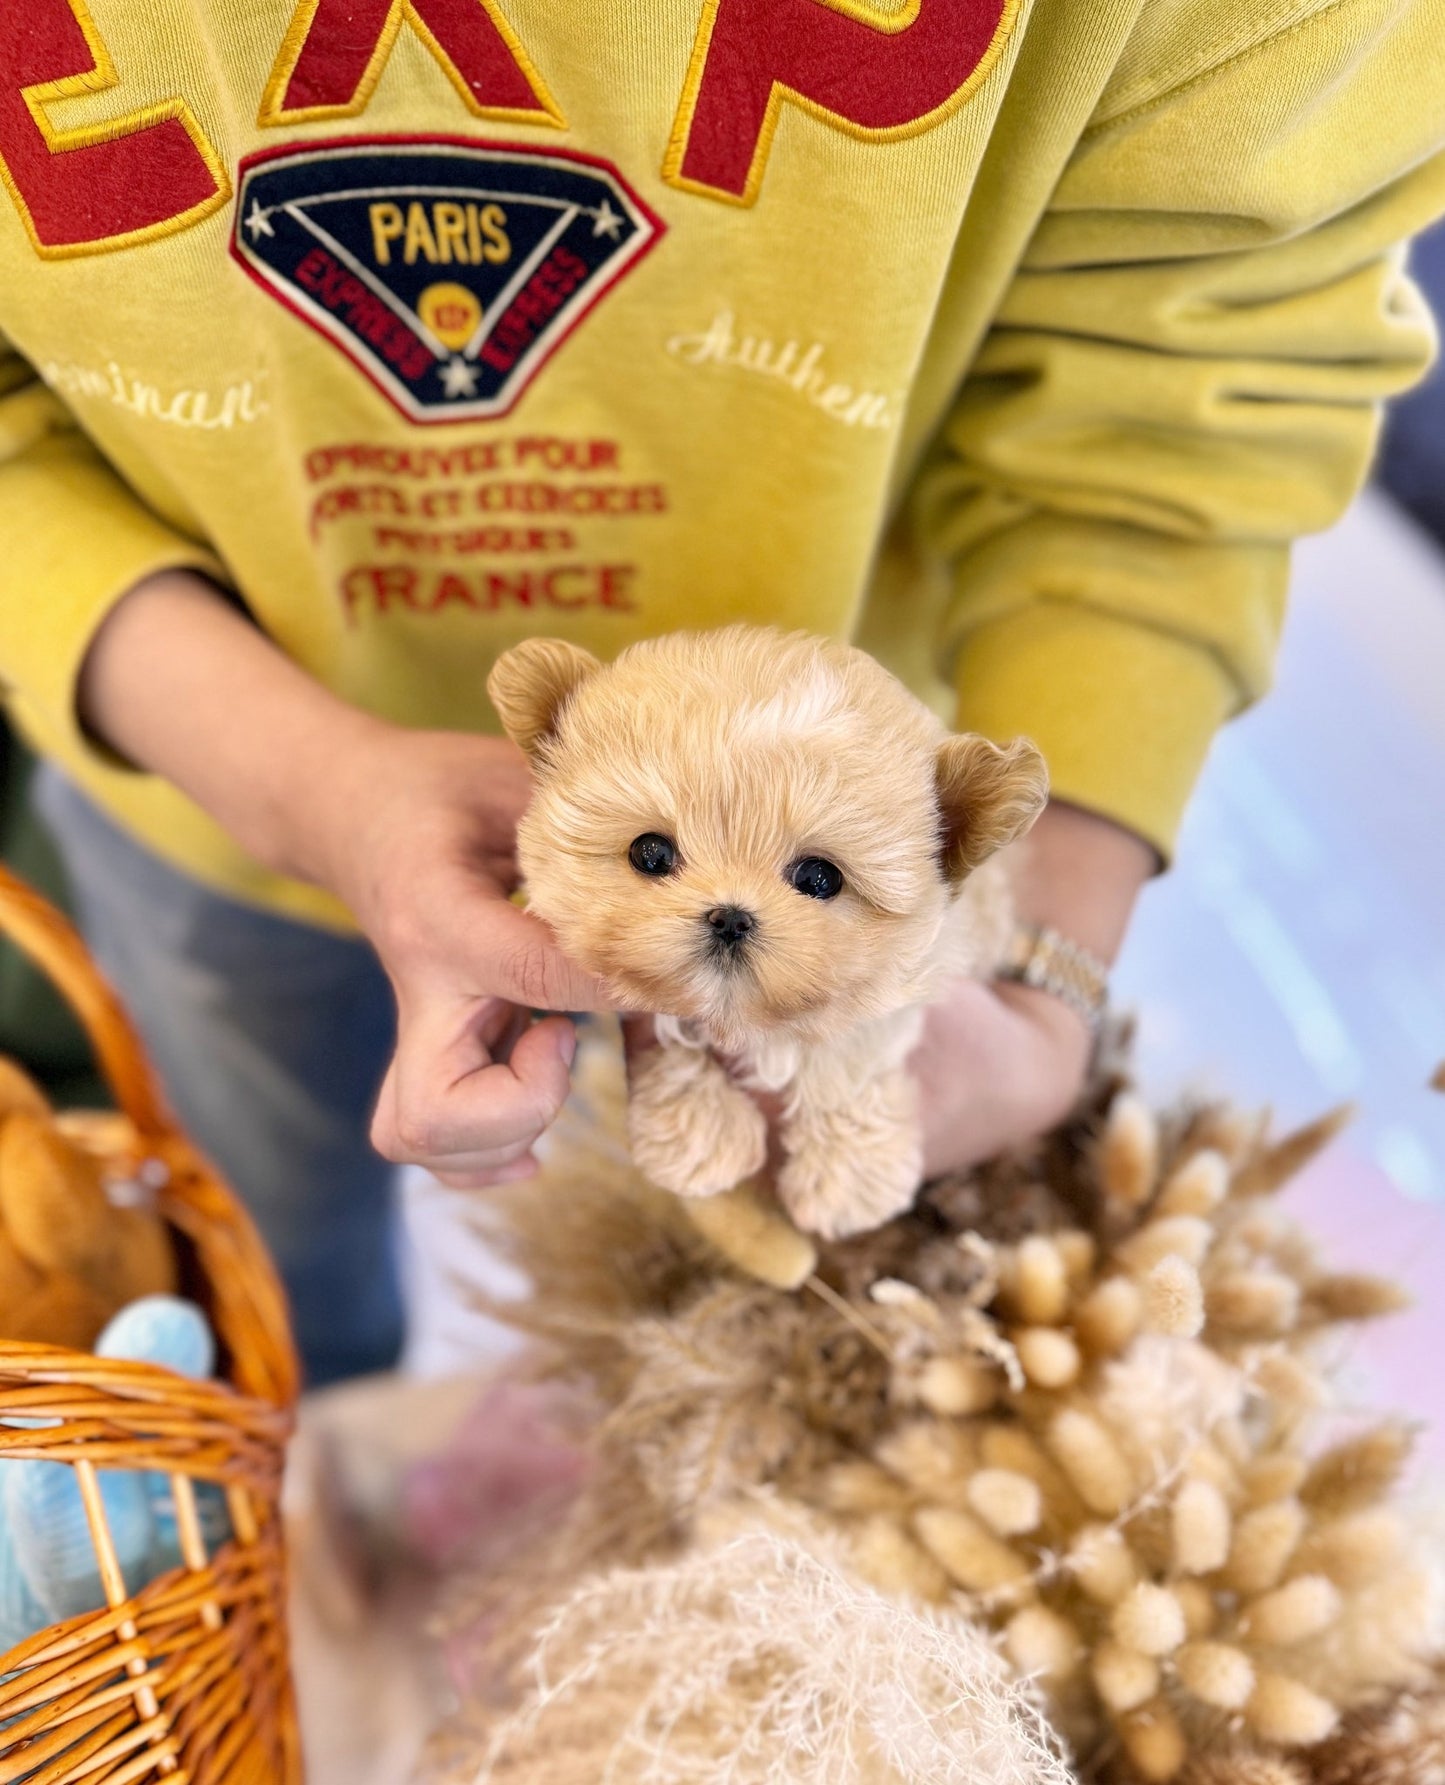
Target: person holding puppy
{"points": [[352, 345]]}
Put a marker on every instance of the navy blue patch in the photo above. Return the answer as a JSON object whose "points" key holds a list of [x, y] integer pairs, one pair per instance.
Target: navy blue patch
{"points": [[449, 271]]}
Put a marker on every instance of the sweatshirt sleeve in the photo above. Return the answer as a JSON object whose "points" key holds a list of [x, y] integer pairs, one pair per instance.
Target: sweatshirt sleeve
{"points": [[76, 539], [1186, 374]]}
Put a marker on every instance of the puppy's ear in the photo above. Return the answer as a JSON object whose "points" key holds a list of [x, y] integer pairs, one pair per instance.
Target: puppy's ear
{"points": [[987, 797], [531, 683]]}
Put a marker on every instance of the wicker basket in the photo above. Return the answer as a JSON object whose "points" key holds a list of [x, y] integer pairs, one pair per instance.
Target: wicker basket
{"points": [[189, 1680]]}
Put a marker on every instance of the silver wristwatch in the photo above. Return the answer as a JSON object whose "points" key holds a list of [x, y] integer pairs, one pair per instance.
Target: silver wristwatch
{"points": [[1050, 962]]}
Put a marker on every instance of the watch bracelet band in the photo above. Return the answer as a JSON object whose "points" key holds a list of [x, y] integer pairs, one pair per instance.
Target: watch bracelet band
{"points": [[1049, 962]]}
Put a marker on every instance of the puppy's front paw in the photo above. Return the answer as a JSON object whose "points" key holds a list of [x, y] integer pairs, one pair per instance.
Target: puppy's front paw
{"points": [[835, 1192], [851, 1170], [691, 1129]]}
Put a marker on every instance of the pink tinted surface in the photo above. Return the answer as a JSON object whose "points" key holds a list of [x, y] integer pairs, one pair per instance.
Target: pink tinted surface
{"points": [[508, 1466], [1362, 1223]]}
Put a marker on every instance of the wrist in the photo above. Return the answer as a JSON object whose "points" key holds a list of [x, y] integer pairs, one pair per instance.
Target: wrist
{"points": [[1046, 961], [1079, 875]]}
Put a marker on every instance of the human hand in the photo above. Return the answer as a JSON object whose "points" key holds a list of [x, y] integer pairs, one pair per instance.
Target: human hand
{"points": [[424, 854], [414, 831], [998, 1064]]}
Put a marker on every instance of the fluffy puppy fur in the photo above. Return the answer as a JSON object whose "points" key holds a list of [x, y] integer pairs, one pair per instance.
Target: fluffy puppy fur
{"points": [[812, 846]]}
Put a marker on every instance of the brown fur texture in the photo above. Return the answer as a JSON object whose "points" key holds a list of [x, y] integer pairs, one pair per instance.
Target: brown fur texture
{"points": [[751, 751], [988, 1404], [69, 1255]]}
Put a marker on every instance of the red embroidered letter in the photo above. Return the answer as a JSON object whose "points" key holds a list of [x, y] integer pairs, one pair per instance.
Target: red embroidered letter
{"points": [[335, 50], [872, 74], [97, 186]]}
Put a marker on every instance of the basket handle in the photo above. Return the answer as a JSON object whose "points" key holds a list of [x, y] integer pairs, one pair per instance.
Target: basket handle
{"points": [[54, 945]]}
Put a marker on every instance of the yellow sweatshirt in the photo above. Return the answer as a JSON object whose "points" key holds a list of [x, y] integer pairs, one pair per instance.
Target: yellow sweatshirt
{"points": [[1016, 338]]}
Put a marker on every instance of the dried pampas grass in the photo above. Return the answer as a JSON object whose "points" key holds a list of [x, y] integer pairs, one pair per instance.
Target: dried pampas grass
{"points": [[757, 1658], [1077, 1399]]}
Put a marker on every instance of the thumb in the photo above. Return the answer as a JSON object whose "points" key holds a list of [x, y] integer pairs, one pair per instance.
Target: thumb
{"points": [[450, 1104], [523, 963]]}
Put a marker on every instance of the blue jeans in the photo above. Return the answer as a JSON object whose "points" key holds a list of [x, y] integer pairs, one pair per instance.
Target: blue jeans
{"points": [[271, 1038]]}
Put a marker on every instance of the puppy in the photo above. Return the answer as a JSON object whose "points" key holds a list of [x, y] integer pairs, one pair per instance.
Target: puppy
{"points": [[770, 841]]}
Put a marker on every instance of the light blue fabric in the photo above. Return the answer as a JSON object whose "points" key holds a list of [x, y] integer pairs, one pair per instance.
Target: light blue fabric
{"points": [[272, 1038], [163, 1329], [45, 1516], [48, 1568], [21, 1613]]}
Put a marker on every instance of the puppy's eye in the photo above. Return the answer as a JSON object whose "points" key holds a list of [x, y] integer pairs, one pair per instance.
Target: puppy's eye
{"points": [[815, 878], [654, 855]]}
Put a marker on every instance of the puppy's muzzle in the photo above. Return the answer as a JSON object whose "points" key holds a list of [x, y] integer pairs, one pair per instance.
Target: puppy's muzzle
{"points": [[730, 928]]}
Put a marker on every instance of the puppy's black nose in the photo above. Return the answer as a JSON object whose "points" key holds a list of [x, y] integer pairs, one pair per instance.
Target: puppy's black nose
{"points": [[731, 924]]}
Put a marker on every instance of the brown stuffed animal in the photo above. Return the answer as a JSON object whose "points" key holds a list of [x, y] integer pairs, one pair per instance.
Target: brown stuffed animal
{"points": [[69, 1258]]}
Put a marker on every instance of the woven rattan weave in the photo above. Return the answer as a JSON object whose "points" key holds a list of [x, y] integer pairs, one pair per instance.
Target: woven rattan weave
{"points": [[188, 1681]]}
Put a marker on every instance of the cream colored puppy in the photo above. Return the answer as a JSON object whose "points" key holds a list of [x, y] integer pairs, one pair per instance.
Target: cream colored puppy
{"points": [[769, 840]]}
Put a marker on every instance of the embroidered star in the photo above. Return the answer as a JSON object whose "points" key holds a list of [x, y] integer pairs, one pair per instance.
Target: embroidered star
{"points": [[459, 379], [259, 221], [605, 221]]}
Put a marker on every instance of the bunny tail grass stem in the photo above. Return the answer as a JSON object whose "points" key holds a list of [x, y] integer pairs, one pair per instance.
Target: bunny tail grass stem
{"points": [[843, 1307]]}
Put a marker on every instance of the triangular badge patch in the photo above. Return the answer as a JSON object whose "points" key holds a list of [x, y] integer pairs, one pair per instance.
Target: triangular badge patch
{"points": [[448, 271]]}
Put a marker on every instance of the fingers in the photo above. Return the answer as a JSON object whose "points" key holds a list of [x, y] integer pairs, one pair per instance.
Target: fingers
{"points": [[526, 1167], [449, 1104]]}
